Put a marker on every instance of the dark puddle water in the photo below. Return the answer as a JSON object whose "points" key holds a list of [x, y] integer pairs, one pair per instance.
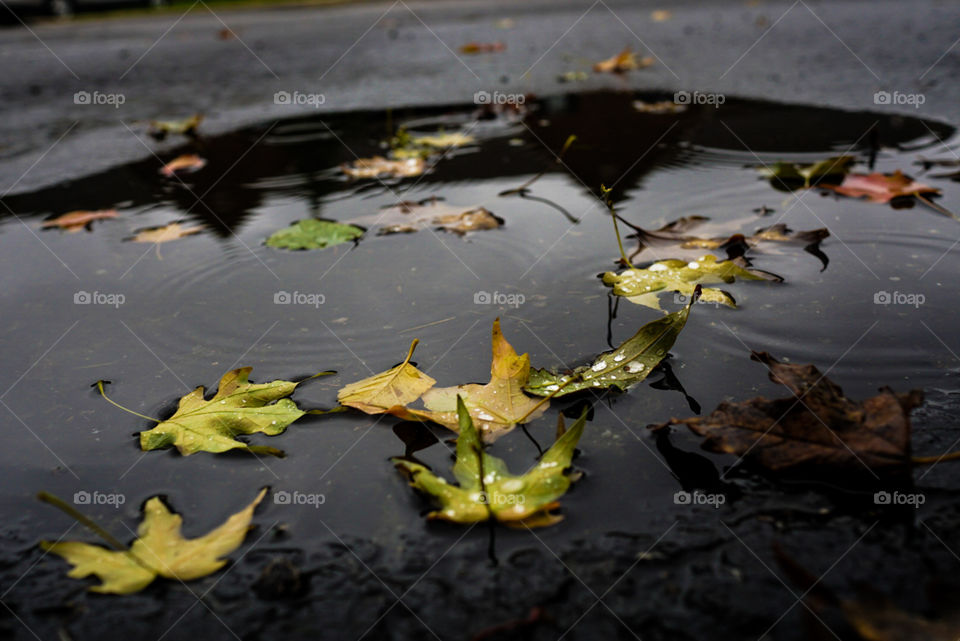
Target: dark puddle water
{"points": [[204, 304]]}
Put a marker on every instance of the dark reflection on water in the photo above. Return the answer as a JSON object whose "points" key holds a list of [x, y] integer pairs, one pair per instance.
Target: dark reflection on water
{"points": [[204, 304]]}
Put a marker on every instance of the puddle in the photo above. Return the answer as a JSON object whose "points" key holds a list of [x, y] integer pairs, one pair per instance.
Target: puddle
{"points": [[204, 304]]}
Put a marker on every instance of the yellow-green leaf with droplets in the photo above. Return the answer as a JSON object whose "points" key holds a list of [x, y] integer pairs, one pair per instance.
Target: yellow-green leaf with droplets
{"points": [[642, 286], [486, 489], [625, 366]]}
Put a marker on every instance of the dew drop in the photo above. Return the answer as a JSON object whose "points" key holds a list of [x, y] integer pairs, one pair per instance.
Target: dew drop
{"points": [[599, 366]]}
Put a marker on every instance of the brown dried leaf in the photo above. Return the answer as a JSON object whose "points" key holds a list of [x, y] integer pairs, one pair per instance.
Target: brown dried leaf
{"points": [[186, 162], [378, 166], [626, 60], [165, 233], [74, 221], [817, 430]]}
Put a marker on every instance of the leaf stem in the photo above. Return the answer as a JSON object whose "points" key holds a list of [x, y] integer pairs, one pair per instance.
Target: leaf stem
{"points": [[546, 399], [613, 216], [936, 207], [74, 513], [99, 385], [558, 160], [930, 460]]}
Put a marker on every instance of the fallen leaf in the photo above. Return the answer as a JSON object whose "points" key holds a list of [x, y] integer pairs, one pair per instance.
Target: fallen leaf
{"points": [[623, 61], [660, 15], [399, 385], [572, 76], [482, 47], [238, 408], [165, 233], [661, 107], [407, 217], [817, 430], [881, 188], [379, 166], [159, 129], [313, 233], [405, 145], [496, 407], [186, 162], [487, 489], [789, 176], [622, 367], [641, 286], [75, 221], [159, 550]]}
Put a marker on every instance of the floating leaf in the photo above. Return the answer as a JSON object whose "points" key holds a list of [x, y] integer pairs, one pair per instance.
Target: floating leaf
{"points": [[641, 286], [625, 366], [817, 430], [482, 47], [407, 217], [159, 129], [788, 175], [497, 406], [487, 489], [238, 408], [378, 166], [186, 162], [405, 145], [881, 188], [623, 61], [165, 233], [313, 233], [657, 108], [399, 385], [159, 550], [75, 221]]}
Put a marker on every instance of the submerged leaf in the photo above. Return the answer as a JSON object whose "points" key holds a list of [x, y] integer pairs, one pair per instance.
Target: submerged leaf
{"points": [[75, 221], [159, 550], [378, 166], [487, 489], [408, 217], [165, 233], [623, 61], [881, 188], [496, 407], [379, 393], [186, 162], [187, 127], [817, 430], [625, 366], [788, 175], [239, 407], [313, 233], [641, 286]]}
